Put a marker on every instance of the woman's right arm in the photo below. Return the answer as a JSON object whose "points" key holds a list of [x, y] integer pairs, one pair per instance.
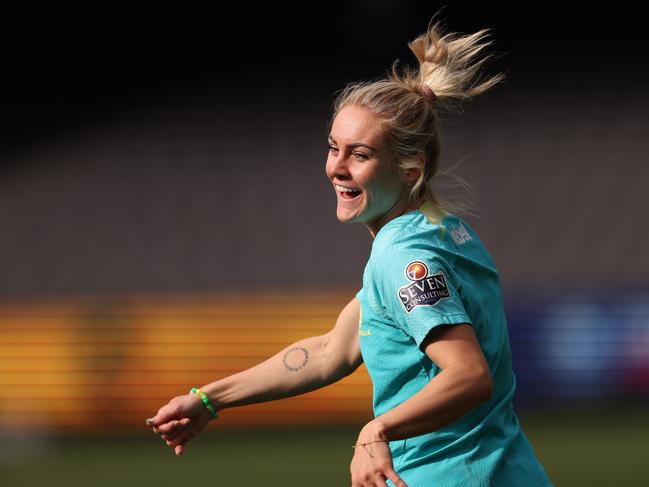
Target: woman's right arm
{"points": [[306, 365]]}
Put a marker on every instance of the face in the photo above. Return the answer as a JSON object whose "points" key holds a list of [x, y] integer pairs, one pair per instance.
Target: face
{"points": [[358, 160]]}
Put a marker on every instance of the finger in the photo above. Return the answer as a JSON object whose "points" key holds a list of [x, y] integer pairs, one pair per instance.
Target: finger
{"points": [[172, 442], [179, 449], [173, 436], [165, 414], [177, 431], [154, 421], [398, 481], [185, 436], [167, 427], [174, 425]]}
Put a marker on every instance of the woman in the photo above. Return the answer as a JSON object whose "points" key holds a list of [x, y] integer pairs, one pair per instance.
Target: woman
{"points": [[428, 322]]}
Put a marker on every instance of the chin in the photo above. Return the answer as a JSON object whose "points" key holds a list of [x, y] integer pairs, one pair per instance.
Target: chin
{"points": [[345, 217], [344, 220]]}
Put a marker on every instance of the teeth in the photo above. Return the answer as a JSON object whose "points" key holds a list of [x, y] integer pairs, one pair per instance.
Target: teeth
{"points": [[344, 190]]}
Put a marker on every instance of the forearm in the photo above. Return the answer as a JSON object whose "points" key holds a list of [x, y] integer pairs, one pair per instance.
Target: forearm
{"points": [[298, 368], [446, 398]]}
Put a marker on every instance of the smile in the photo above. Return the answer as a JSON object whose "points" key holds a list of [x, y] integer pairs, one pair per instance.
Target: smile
{"points": [[347, 193]]}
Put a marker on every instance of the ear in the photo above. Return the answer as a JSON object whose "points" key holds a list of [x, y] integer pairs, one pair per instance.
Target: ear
{"points": [[411, 175]]}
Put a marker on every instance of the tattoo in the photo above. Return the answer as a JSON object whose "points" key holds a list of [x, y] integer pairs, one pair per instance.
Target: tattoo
{"points": [[298, 358]]}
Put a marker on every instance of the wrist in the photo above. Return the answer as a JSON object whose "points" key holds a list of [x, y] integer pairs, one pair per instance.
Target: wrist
{"points": [[213, 393], [373, 431], [206, 403]]}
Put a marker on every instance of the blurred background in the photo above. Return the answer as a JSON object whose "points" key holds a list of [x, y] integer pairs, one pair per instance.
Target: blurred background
{"points": [[166, 221]]}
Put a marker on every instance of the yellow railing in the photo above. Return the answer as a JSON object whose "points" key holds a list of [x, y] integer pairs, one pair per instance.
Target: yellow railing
{"points": [[93, 364]]}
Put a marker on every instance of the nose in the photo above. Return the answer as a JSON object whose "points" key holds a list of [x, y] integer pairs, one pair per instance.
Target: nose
{"points": [[337, 166]]}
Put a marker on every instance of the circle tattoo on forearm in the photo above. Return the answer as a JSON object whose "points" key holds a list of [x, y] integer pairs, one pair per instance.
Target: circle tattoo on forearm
{"points": [[296, 358]]}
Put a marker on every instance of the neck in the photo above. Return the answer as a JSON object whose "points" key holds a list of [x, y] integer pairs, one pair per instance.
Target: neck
{"points": [[399, 208]]}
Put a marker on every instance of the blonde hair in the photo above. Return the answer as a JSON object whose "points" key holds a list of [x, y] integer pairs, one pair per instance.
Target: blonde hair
{"points": [[410, 118]]}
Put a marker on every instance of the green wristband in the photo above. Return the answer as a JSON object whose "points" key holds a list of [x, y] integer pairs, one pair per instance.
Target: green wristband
{"points": [[206, 401]]}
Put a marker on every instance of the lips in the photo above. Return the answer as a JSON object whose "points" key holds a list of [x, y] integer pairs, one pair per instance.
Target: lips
{"points": [[349, 195], [347, 192]]}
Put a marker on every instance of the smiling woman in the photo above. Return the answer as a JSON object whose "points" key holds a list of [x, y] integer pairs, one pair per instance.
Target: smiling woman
{"points": [[429, 321], [432, 328], [362, 169]]}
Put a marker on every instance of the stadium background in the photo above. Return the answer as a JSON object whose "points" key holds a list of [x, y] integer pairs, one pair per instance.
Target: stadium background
{"points": [[166, 221]]}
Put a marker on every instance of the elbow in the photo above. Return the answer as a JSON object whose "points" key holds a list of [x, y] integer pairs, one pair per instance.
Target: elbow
{"points": [[483, 386], [331, 368], [479, 386]]}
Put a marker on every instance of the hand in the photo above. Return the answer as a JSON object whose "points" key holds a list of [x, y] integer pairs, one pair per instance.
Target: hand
{"points": [[180, 420], [372, 463]]}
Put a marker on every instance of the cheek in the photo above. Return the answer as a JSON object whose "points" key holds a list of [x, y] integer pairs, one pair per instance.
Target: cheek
{"points": [[383, 185]]}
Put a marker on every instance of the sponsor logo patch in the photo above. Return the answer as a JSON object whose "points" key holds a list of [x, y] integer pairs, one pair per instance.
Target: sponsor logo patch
{"points": [[425, 289]]}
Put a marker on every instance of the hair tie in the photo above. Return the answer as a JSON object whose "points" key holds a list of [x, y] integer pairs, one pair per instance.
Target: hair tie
{"points": [[427, 92]]}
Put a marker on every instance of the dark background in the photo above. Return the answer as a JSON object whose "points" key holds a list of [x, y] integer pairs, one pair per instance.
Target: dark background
{"points": [[155, 150], [65, 70]]}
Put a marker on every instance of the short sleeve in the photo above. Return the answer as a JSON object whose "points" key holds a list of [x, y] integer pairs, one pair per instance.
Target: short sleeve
{"points": [[359, 294], [418, 290]]}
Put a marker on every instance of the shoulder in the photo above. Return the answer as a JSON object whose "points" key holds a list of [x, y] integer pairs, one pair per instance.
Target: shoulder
{"points": [[439, 235], [414, 253], [414, 235]]}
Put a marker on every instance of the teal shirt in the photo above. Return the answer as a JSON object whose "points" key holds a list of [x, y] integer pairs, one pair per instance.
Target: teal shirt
{"points": [[429, 268]]}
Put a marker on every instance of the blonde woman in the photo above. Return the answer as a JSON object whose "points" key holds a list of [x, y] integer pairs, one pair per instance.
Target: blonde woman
{"points": [[428, 323]]}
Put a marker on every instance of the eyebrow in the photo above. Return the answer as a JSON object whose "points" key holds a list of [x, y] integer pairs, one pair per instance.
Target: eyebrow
{"points": [[358, 144]]}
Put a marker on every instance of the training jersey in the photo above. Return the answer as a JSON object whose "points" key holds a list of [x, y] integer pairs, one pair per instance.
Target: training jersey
{"points": [[428, 268]]}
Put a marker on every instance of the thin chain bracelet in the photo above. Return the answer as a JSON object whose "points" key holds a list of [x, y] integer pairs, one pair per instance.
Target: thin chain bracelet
{"points": [[367, 443]]}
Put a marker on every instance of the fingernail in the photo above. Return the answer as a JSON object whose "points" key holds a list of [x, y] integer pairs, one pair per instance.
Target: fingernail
{"points": [[149, 421]]}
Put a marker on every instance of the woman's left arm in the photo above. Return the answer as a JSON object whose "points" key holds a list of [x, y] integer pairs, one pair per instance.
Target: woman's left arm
{"points": [[463, 384]]}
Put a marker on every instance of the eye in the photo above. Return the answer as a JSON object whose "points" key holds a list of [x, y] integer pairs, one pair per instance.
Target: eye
{"points": [[361, 156], [332, 148]]}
